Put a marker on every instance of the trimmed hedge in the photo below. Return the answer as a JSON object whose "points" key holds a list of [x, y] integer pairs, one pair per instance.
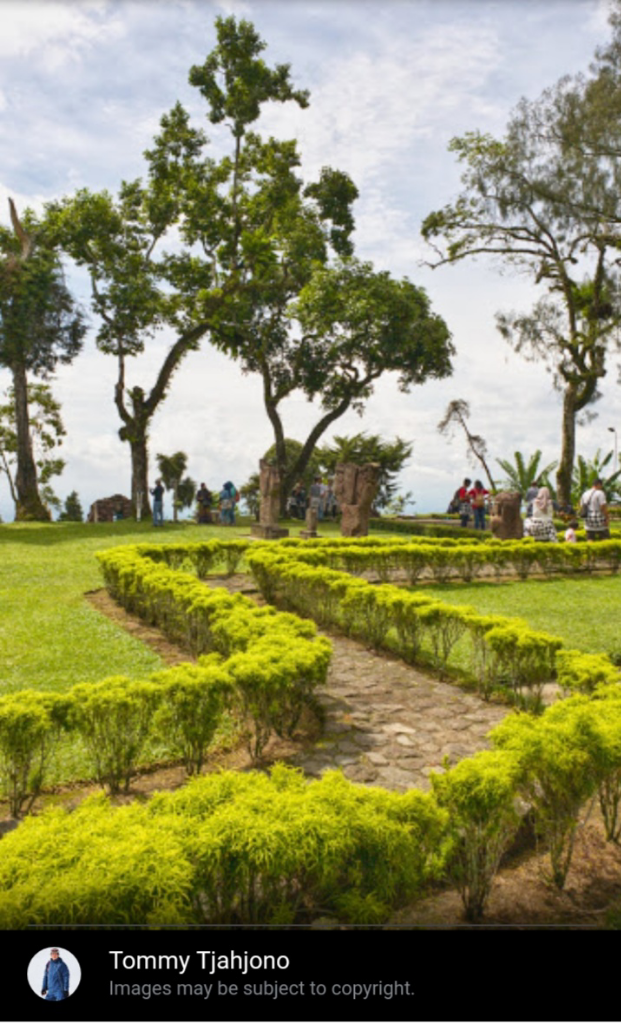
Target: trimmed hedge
{"points": [[502, 650], [226, 849]]}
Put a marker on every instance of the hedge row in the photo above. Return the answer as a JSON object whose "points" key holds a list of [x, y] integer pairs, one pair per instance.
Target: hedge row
{"points": [[262, 667], [450, 560], [247, 848], [227, 848], [415, 625], [443, 560]]}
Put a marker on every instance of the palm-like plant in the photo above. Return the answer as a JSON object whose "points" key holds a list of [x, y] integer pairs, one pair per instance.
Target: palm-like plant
{"points": [[588, 470], [523, 473], [171, 469]]}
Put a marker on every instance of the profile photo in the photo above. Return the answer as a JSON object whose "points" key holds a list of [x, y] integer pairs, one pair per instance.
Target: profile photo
{"points": [[54, 973]]}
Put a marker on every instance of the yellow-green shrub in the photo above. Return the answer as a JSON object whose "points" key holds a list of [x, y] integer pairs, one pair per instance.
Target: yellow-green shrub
{"points": [[113, 718], [479, 795], [30, 725]]}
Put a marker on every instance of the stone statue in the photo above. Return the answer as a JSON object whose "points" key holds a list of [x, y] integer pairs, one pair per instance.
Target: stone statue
{"points": [[269, 503], [355, 488], [505, 520], [311, 523]]}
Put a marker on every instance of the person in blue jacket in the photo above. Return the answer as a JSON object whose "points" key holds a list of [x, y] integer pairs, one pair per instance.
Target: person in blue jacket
{"points": [[55, 978]]}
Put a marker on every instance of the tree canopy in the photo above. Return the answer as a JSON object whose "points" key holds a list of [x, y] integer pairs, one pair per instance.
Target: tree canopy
{"points": [[521, 204], [215, 216]]}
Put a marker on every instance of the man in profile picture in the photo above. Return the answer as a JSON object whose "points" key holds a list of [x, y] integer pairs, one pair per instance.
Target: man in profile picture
{"points": [[55, 978]]}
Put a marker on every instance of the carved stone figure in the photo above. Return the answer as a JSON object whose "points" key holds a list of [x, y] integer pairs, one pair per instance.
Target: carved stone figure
{"points": [[505, 520], [269, 504], [311, 523], [355, 488]]}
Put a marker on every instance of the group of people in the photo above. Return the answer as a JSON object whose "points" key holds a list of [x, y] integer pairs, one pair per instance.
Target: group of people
{"points": [[540, 511], [320, 497], [225, 501], [541, 507], [469, 500]]}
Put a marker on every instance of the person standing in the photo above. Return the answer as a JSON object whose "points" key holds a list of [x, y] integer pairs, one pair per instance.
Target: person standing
{"points": [[300, 500], [55, 978], [597, 523], [204, 499], [531, 494], [465, 508], [228, 498], [477, 496], [158, 503]]}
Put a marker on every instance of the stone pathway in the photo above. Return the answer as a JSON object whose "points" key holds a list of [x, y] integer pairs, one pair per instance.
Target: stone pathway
{"points": [[388, 723]]}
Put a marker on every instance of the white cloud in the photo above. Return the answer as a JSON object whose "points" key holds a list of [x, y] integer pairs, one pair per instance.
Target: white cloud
{"points": [[53, 33]]}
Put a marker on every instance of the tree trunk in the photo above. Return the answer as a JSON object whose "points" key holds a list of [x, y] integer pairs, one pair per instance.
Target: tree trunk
{"points": [[568, 448], [175, 501], [29, 504], [140, 473], [299, 466]]}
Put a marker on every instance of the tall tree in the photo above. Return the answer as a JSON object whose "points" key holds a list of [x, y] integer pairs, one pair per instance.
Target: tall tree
{"points": [[348, 325], [220, 210], [40, 326], [519, 207]]}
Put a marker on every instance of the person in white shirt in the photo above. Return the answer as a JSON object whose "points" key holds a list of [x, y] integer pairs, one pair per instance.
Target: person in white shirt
{"points": [[597, 521]]}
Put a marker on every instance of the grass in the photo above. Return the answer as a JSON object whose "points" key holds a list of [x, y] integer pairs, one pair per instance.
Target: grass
{"points": [[50, 637], [583, 611]]}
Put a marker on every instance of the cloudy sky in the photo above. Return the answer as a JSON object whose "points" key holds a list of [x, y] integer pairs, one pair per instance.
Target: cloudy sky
{"points": [[82, 88]]}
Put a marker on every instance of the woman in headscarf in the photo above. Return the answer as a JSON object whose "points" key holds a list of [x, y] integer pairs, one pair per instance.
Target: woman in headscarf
{"points": [[542, 525]]}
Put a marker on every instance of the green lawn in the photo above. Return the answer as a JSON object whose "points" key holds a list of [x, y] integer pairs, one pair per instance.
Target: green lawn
{"points": [[585, 612], [50, 637]]}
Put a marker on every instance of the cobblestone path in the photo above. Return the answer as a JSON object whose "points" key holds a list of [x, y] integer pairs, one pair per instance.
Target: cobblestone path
{"points": [[386, 722]]}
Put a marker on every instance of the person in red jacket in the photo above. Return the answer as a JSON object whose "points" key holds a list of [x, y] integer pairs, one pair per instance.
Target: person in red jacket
{"points": [[477, 496], [465, 508]]}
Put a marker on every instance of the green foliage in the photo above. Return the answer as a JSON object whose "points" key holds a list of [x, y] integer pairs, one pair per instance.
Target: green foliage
{"points": [[524, 473], [72, 512], [171, 469], [46, 432], [113, 718], [110, 865], [274, 661], [190, 707], [425, 629], [360, 448], [579, 672], [520, 205], [588, 470], [558, 778], [479, 795], [30, 724], [228, 848]]}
